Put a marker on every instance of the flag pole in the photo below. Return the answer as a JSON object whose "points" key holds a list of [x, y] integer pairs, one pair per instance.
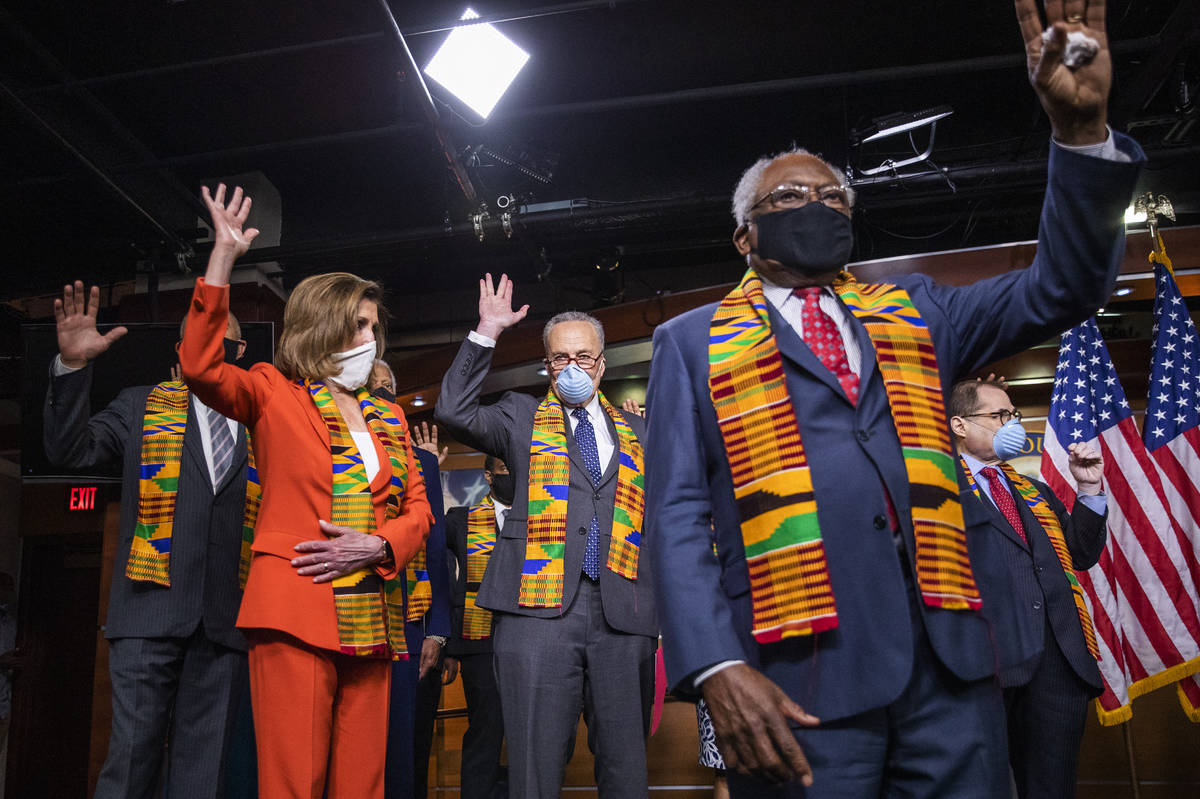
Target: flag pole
{"points": [[1135, 791]]}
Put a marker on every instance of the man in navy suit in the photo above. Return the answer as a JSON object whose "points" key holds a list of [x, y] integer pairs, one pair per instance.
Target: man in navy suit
{"points": [[1047, 687], [886, 686]]}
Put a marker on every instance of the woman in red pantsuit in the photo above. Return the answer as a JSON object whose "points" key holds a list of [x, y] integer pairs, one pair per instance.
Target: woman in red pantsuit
{"points": [[343, 510]]}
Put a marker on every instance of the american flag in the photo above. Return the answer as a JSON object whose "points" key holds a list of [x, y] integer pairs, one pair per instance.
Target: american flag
{"points": [[1142, 593], [1171, 429]]}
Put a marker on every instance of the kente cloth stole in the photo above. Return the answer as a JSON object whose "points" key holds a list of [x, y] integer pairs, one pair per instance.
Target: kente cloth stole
{"points": [[791, 592], [370, 611], [1049, 521], [481, 540], [416, 573], [163, 426], [549, 479]]}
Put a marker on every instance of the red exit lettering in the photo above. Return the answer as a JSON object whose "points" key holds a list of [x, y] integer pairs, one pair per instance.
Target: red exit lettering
{"points": [[83, 498]]}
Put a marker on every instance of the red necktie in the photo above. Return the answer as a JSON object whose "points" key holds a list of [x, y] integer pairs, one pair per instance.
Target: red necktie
{"points": [[1004, 499], [822, 336]]}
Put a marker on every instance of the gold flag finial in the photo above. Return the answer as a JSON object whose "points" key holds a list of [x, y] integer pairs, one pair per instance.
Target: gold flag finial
{"points": [[1154, 207]]}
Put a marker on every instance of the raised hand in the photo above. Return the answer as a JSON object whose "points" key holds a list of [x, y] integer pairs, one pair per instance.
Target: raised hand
{"points": [[75, 321], [427, 440], [1076, 100], [177, 373], [1087, 467], [750, 715], [231, 240], [495, 307], [630, 405]]}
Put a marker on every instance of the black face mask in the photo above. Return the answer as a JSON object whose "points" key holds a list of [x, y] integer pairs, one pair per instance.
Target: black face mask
{"points": [[384, 394], [231, 350], [809, 240], [504, 488]]}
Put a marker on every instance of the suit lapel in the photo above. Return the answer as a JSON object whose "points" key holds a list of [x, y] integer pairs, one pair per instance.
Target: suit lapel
{"points": [[792, 347], [193, 444], [1002, 523], [300, 392]]}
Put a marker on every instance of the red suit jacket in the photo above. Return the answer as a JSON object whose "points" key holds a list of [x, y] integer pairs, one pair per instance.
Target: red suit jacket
{"points": [[291, 450]]}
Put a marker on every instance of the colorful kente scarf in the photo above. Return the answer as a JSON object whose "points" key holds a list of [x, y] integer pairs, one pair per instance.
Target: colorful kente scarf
{"points": [[789, 576], [549, 480], [163, 426], [370, 611], [1047, 518], [481, 540], [416, 573]]}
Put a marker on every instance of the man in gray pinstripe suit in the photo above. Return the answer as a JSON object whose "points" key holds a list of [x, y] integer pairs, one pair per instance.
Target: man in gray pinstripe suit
{"points": [[176, 661]]}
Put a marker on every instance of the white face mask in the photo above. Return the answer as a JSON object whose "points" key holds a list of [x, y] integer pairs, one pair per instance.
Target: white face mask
{"points": [[355, 366]]}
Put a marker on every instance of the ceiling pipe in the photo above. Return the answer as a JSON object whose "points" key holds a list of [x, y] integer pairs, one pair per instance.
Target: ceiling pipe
{"points": [[322, 44], [430, 110]]}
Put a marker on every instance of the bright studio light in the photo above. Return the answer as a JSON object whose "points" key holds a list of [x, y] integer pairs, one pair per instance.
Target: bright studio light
{"points": [[1135, 216], [476, 64]]}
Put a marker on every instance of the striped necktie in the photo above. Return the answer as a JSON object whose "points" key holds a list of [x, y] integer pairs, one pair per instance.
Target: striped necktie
{"points": [[222, 445]]}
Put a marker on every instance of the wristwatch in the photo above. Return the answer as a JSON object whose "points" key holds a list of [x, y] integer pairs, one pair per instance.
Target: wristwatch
{"points": [[388, 558]]}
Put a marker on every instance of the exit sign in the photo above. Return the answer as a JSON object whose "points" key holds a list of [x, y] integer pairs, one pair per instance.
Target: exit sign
{"points": [[82, 498]]}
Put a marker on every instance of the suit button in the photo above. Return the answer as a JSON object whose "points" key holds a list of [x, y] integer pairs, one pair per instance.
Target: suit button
{"points": [[1037, 605], [596, 497], [864, 435], [583, 531], [880, 522], [1037, 569]]}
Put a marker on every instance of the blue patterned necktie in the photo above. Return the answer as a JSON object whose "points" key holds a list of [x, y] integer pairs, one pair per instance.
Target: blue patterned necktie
{"points": [[222, 445], [585, 438]]}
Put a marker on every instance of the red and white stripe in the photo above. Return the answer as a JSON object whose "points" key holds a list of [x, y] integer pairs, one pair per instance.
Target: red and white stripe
{"points": [[1142, 593]]}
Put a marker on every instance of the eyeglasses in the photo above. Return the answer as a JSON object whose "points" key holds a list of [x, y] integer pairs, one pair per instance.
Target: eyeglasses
{"points": [[1000, 416], [584, 360], [789, 195]]}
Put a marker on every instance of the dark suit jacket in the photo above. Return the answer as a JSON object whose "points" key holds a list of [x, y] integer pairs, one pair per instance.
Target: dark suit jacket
{"points": [[456, 540], [504, 430], [437, 619], [1040, 591], [207, 537], [854, 453]]}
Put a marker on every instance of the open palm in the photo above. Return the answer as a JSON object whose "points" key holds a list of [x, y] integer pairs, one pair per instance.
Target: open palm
{"points": [[495, 306], [75, 321]]}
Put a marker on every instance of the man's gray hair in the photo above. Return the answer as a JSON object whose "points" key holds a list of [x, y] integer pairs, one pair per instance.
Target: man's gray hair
{"points": [[746, 191], [572, 316]]}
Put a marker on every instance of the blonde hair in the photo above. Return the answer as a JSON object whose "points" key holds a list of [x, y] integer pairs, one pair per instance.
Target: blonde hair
{"points": [[320, 318]]}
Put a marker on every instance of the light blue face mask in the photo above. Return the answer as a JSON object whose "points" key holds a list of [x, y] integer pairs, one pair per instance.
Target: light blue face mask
{"points": [[574, 385], [1009, 441]]}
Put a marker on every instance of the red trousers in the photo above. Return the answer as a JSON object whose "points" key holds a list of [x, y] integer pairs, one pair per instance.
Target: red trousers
{"points": [[320, 719]]}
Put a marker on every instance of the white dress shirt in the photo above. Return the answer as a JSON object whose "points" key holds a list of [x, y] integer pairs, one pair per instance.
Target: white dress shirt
{"points": [[791, 308], [501, 512], [365, 442]]}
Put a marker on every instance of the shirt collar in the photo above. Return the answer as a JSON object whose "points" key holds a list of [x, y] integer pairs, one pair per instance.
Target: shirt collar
{"points": [[593, 409], [778, 295], [974, 464]]}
